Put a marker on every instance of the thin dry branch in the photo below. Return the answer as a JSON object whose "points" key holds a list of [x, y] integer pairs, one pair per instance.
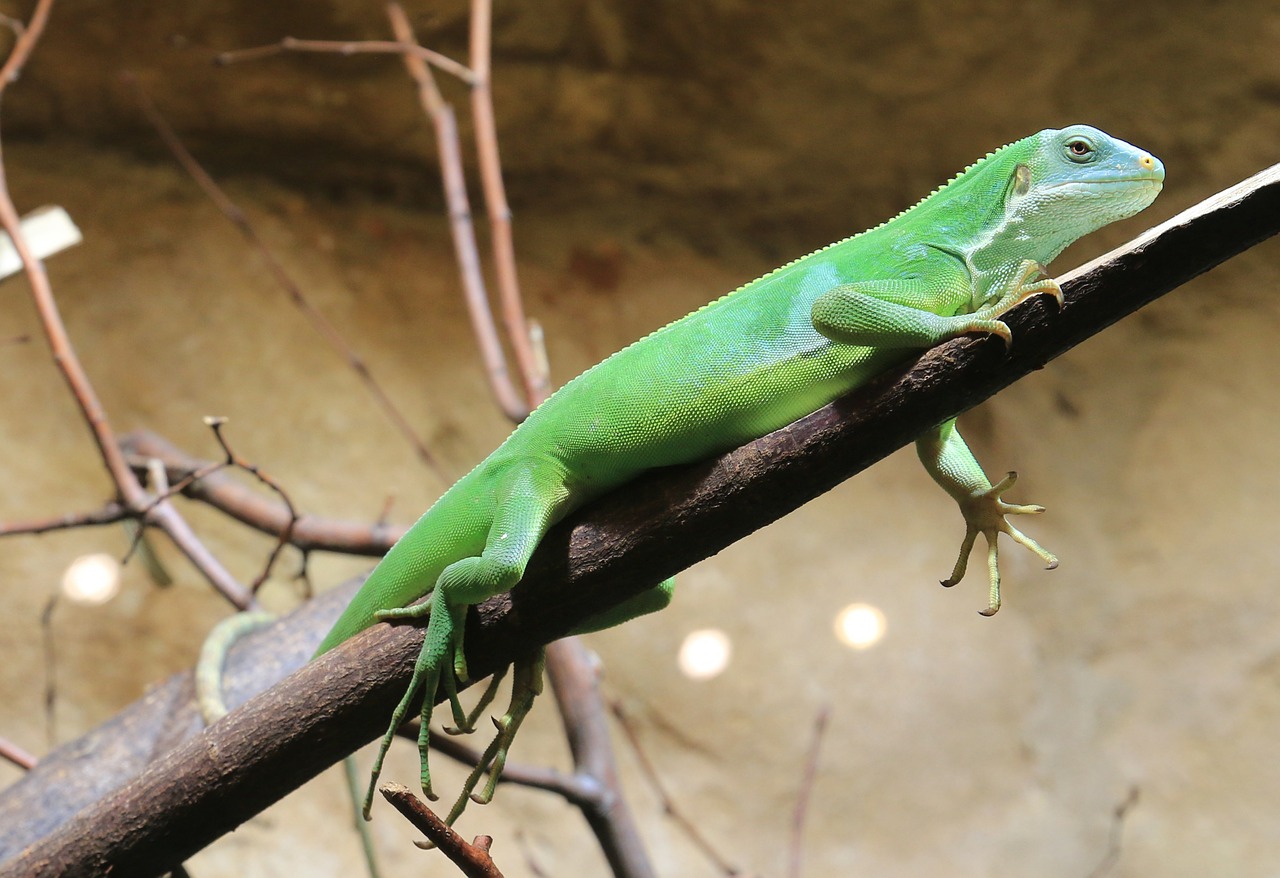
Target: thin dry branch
{"points": [[576, 686], [472, 859], [15, 755], [128, 487], [581, 708], [111, 513], [321, 324], [208, 482], [531, 364], [1115, 835], [407, 48], [466, 251], [286, 532], [796, 858], [669, 806], [27, 36]]}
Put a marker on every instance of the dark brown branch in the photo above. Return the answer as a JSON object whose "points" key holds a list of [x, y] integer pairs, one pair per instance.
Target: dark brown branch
{"points": [[604, 554], [472, 859]]}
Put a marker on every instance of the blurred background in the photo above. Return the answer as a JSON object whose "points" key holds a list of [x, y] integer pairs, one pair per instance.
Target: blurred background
{"points": [[658, 155]]}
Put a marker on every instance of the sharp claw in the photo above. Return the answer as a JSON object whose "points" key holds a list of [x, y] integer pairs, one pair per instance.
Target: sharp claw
{"points": [[1010, 478]]}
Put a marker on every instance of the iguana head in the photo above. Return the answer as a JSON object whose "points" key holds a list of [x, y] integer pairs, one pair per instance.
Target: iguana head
{"points": [[1072, 181]]}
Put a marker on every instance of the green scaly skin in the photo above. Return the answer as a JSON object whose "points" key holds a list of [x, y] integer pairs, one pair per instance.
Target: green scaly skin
{"points": [[747, 364]]}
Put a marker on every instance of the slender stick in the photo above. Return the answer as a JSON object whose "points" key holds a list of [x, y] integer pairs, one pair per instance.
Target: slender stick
{"points": [[68, 362], [532, 367], [669, 806], [27, 37], [109, 514], [12, 753], [801, 811], [407, 48], [321, 324], [472, 859], [203, 481], [464, 237]]}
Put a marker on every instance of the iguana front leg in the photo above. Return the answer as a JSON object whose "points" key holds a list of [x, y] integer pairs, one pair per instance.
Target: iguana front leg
{"points": [[894, 314], [901, 314], [948, 459]]}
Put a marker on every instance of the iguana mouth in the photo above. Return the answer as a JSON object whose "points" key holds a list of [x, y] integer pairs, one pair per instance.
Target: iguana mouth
{"points": [[1106, 181]]}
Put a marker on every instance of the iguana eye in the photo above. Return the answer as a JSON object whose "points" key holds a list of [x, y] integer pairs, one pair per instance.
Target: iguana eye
{"points": [[1079, 150]]}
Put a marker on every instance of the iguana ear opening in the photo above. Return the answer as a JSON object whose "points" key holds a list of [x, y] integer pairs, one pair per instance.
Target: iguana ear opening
{"points": [[1020, 182]]}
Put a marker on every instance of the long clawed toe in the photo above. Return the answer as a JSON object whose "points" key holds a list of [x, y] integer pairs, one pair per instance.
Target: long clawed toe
{"points": [[986, 514]]}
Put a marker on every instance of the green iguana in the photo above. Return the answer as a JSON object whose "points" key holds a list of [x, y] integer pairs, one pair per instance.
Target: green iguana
{"points": [[742, 366]]}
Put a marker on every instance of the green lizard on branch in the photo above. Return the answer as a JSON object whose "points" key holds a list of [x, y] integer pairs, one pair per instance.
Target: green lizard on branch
{"points": [[740, 367]]}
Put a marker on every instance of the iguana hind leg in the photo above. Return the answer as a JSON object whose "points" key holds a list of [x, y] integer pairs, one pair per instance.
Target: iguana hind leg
{"points": [[528, 501]]}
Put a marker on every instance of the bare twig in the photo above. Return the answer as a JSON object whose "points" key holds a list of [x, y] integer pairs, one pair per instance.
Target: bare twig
{"points": [[1115, 835], [17, 25], [532, 366], [668, 803], [51, 320], [68, 362], [472, 859], [406, 48], [206, 482], [464, 237], [50, 676], [27, 37], [286, 532], [577, 789], [319, 322], [806, 793], [575, 682], [595, 780], [109, 514], [12, 753]]}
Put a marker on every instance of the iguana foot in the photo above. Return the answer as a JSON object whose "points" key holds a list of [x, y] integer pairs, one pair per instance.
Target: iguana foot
{"points": [[984, 513], [436, 664], [526, 685], [1024, 288]]}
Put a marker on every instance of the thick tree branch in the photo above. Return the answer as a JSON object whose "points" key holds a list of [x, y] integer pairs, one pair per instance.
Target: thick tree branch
{"points": [[616, 548]]}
